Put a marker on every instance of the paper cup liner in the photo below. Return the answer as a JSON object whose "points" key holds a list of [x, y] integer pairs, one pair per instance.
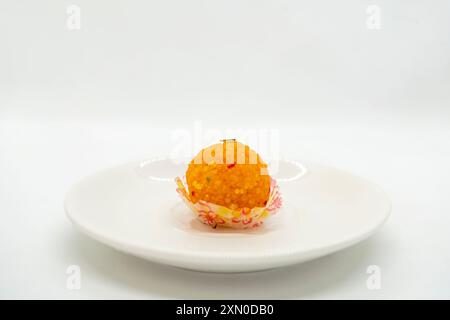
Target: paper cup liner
{"points": [[216, 215]]}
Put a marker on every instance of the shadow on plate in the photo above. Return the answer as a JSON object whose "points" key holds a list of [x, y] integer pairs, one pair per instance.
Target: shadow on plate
{"points": [[145, 279]]}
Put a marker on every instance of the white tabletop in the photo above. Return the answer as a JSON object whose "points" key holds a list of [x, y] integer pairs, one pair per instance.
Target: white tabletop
{"points": [[374, 102]]}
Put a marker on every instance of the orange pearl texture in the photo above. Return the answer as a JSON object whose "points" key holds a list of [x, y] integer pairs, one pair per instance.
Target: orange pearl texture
{"points": [[229, 174]]}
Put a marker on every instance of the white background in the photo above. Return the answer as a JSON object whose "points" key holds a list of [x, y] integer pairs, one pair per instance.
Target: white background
{"points": [[375, 102]]}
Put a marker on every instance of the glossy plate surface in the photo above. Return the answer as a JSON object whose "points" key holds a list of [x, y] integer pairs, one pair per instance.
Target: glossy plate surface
{"points": [[135, 209]]}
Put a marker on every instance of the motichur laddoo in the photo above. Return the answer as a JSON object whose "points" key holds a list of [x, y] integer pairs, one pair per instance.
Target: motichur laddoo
{"points": [[229, 174], [228, 185]]}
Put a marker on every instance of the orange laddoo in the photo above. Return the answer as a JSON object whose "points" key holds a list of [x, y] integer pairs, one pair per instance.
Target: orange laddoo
{"points": [[229, 174]]}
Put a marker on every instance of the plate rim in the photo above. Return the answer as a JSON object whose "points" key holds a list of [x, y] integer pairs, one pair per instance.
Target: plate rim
{"points": [[154, 251]]}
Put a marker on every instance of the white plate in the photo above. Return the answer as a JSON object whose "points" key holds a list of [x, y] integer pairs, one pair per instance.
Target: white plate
{"points": [[135, 209]]}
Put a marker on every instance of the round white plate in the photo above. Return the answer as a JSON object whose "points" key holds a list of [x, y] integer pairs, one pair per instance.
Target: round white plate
{"points": [[135, 209]]}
